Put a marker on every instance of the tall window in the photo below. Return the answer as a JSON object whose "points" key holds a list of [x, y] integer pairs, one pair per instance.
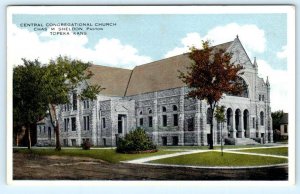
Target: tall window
{"points": [[285, 129], [164, 120], [103, 123], [141, 121], [65, 124], [120, 124], [150, 121], [164, 109], [73, 120], [86, 122], [253, 122], [49, 132], [262, 118], [190, 123], [74, 101], [174, 108], [86, 104], [175, 119]]}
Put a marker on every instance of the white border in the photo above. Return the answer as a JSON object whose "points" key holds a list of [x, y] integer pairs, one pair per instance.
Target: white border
{"points": [[290, 10]]}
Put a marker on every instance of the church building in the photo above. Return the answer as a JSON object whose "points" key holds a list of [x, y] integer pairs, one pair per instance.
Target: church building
{"points": [[151, 96]]}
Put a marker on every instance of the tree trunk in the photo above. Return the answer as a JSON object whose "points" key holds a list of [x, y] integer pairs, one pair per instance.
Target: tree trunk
{"points": [[29, 137], [211, 117], [56, 127]]}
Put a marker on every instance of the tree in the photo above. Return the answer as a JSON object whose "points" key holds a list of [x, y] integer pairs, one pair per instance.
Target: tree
{"points": [[220, 117], [51, 87], [29, 102], [210, 75], [276, 118]]}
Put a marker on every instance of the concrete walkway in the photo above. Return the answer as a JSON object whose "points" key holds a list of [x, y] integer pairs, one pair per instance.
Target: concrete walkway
{"points": [[233, 151]]}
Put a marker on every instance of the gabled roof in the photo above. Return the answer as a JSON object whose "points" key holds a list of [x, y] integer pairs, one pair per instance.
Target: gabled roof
{"points": [[154, 76], [114, 80], [162, 74]]}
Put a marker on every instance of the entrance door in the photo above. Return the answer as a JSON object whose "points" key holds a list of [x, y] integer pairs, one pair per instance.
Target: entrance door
{"points": [[164, 141], [175, 140]]}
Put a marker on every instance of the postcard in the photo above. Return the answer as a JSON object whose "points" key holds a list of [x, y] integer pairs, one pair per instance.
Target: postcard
{"points": [[149, 94]]}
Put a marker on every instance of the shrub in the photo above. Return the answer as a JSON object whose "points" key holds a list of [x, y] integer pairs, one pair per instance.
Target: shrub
{"points": [[86, 145], [134, 142], [229, 141]]}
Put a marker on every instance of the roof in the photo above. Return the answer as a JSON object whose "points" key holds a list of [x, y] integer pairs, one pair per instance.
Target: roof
{"points": [[114, 80], [162, 74], [154, 76], [284, 119]]}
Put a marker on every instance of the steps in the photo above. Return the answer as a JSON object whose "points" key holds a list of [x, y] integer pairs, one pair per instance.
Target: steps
{"points": [[245, 141]]}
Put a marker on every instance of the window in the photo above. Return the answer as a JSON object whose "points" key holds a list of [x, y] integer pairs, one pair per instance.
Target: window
{"points": [[44, 129], [150, 111], [86, 104], [65, 142], [141, 112], [259, 97], [174, 108], [74, 101], [40, 127], [190, 123], [285, 129], [262, 118], [120, 124], [49, 132], [253, 122], [175, 119], [150, 121], [141, 121], [73, 120], [263, 97], [103, 123], [68, 107], [164, 120], [65, 124], [86, 122], [208, 116], [164, 109], [73, 141]]}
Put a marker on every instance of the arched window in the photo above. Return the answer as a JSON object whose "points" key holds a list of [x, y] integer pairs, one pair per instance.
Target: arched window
{"points": [[150, 111], [262, 118], [141, 112], [244, 93], [164, 109], [174, 108]]}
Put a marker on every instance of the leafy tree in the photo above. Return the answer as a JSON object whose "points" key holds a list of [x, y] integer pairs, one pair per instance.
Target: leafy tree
{"points": [[220, 117], [29, 101], [49, 87], [210, 75], [276, 118]]}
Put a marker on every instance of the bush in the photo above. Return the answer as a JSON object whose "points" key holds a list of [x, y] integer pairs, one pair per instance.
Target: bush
{"points": [[86, 145], [134, 142], [229, 141]]}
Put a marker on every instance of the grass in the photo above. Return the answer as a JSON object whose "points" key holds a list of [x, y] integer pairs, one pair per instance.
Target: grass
{"points": [[272, 151], [213, 158], [206, 147], [109, 155]]}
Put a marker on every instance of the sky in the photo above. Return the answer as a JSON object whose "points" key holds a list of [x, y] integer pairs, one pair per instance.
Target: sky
{"points": [[138, 39]]}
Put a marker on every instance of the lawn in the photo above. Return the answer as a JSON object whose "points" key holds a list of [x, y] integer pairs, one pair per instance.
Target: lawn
{"points": [[282, 151], [109, 155], [213, 158], [207, 147]]}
